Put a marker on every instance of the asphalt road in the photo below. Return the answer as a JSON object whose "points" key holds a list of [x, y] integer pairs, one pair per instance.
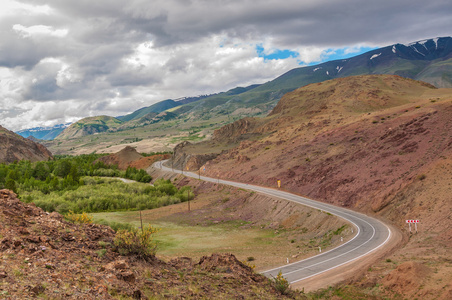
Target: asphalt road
{"points": [[371, 234]]}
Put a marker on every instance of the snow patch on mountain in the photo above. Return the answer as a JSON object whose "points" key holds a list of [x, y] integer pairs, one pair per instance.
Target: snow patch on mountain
{"points": [[393, 49], [436, 42], [375, 56], [415, 49]]}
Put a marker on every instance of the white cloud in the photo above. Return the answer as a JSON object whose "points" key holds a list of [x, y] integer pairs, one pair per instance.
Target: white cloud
{"points": [[11, 7], [84, 57], [37, 30]]}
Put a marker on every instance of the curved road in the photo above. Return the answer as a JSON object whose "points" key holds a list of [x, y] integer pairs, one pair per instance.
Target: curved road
{"points": [[371, 233]]}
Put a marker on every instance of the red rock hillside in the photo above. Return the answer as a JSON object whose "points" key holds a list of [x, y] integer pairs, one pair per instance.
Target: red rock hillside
{"points": [[129, 157], [380, 144], [14, 147]]}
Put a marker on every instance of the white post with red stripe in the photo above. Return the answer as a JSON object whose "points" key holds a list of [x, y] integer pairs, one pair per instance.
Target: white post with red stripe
{"points": [[415, 224]]}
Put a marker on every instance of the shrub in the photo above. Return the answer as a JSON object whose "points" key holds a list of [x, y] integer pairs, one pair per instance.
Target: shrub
{"points": [[83, 218], [281, 284], [101, 253], [135, 241], [249, 265]]}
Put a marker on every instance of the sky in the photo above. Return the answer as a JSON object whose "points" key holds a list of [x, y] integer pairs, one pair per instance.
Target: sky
{"points": [[63, 60]]}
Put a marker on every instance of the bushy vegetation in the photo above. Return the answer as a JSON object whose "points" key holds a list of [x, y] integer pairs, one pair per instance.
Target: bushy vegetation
{"points": [[82, 218], [281, 284], [136, 241], [105, 194], [61, 174], [73, 184]]}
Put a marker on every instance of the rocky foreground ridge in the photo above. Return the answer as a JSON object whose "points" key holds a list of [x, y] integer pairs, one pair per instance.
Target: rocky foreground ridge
{"points": [[44, 255], [14, 147]]}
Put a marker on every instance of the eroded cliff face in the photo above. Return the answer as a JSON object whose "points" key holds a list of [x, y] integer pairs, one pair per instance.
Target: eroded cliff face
{"points": [[238, 130], [13, 147], [184, 159]]}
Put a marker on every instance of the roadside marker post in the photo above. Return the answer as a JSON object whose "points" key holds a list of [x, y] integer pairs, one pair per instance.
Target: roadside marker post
{"points": [[410, 222], [279, 184], [320, 249]]}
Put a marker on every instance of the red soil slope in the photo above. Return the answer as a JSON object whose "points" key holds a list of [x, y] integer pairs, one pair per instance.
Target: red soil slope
{"points": [[380, 144], [14, 147]]}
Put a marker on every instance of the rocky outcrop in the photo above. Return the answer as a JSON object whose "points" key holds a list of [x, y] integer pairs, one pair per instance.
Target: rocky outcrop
{"points": [[239, 130], [184, 159], [13, 147], [122, 158]]}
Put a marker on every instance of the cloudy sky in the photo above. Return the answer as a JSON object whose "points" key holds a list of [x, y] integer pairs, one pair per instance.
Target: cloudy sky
{"points": [[62, 60]]}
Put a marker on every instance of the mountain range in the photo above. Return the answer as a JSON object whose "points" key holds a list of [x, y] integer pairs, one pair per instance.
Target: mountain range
{"points": [[427, 60], [43, 133]]}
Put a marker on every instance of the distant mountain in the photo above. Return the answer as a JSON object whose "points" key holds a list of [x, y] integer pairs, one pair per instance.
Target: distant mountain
{"points": [[155, 108], [15, 147], [427, 60], [162, 106], [88, 126], [43, 133]]}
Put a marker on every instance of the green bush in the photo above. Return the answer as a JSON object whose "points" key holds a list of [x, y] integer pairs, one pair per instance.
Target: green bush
{"points": [[136, 241], [281, 284]]}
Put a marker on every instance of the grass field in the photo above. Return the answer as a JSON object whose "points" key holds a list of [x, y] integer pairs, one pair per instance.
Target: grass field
{"points": [[262, 247]]}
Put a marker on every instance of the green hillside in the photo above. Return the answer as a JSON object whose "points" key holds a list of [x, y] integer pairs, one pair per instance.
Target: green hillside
{"points": [[155, 108], [88, 126]]}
